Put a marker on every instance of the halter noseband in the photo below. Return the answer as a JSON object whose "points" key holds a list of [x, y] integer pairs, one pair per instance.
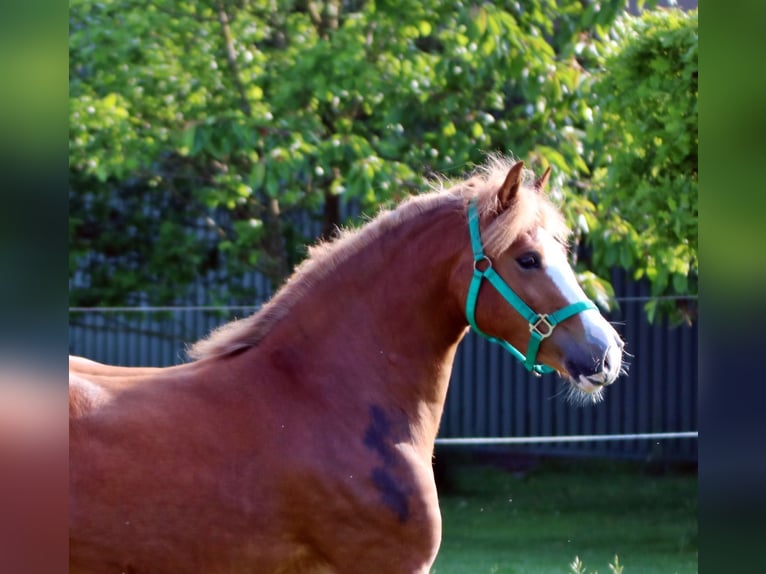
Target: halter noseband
{"points": [[541, 325]]}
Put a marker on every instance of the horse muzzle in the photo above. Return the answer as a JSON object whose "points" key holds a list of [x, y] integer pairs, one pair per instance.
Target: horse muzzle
{"points": [[596, 363]]}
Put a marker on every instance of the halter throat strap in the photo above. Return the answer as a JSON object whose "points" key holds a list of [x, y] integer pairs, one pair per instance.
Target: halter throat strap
{"points": [[541, 325]]}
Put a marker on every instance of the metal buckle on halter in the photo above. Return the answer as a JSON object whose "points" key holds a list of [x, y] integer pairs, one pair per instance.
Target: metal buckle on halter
{"points": [[535, 327], [482, 259]]}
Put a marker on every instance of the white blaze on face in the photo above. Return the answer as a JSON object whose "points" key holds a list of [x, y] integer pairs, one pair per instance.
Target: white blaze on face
{"points": [[558, 269], [596, 327]]}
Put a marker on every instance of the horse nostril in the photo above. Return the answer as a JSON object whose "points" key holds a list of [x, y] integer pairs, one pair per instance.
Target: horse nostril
{"points": [[607, 364], [612, 363]]}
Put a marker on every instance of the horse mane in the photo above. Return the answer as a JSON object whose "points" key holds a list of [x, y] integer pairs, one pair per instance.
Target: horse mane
{"points": [[530, 209]]}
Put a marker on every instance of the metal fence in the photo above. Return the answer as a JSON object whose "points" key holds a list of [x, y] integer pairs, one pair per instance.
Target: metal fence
{"points": [[490, 394]]}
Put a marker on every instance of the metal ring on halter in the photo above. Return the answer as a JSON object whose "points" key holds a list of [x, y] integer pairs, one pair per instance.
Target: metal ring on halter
{"points": [[535, 327], [481, 259]]}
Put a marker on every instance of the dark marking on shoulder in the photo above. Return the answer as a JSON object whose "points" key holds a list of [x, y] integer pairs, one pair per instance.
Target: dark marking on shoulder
{"points": [[390, 478], [379, 436], [394, 497]]}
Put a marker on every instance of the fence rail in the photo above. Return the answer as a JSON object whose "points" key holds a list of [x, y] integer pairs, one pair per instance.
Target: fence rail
{"points": [[510, 440]]}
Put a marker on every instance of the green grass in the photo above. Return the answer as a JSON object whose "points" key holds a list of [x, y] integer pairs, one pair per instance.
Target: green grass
{"points": [[500, 523]]}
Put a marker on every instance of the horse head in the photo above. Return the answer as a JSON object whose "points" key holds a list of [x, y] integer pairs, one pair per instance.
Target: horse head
{"points": [[523, 292]]}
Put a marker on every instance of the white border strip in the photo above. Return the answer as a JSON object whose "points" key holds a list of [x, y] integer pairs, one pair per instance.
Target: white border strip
{"points": [[570, 438]]}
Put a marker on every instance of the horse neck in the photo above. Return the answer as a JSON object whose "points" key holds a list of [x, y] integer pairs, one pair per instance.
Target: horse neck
{"points": [[383, 322]]}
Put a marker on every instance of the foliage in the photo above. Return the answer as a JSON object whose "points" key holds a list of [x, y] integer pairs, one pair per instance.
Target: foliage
{"points": [[201, 133], [644, 146]]}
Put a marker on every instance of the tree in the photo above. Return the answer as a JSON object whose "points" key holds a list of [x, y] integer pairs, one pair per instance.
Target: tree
{"points": [[644, 147], [202, 131]]}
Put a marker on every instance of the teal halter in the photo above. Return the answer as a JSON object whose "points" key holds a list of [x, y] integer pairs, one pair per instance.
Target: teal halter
{"points": [[541, 325]]}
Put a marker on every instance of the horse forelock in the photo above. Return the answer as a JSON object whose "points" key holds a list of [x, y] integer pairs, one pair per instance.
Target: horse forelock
{"points": [[530, 210]]}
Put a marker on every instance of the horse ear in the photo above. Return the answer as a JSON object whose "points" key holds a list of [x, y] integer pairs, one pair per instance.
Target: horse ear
{"points": [[542, 182], [511, 185]]}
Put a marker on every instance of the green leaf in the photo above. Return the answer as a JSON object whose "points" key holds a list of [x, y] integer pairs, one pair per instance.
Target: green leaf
{"points": [[680, 284], [188, 138], [480, 20], [477, 130], [272, 183], [258, 175]]}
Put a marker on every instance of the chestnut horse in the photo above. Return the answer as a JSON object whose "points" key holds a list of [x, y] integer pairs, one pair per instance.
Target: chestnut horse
{"points": [[300, 438]]}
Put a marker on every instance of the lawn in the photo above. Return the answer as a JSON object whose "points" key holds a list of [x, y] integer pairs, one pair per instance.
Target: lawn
{"points": [[500, 522]]}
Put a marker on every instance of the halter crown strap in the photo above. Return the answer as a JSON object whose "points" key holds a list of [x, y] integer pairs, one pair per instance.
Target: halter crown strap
{"points": [[540, 325]]}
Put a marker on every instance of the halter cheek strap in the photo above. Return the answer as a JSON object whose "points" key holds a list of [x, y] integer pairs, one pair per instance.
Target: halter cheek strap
{"points": [[541, 325]]}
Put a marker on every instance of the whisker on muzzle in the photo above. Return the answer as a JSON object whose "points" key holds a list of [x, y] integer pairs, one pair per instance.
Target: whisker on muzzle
{"points": [[579, 398]]}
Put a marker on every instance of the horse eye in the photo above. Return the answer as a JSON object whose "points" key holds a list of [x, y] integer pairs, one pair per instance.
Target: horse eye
{"points": [[529, 261]]}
